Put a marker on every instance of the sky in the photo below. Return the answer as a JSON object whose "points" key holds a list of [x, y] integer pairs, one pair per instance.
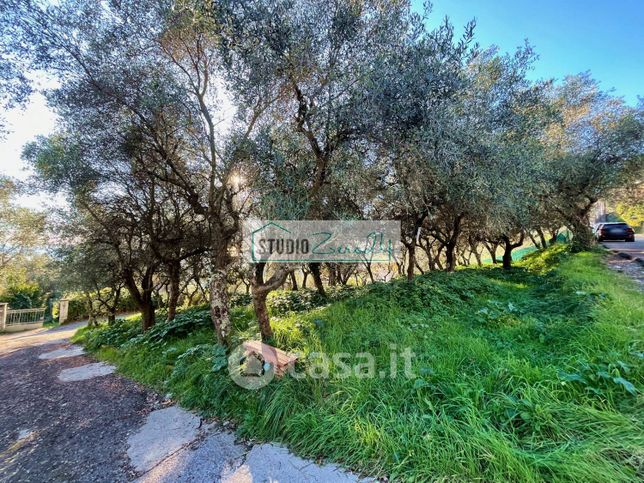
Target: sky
{"points": [[605, 37], [24, 125], [570, 36]]}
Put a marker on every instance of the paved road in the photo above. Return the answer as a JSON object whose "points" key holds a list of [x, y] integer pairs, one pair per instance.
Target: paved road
{"points": [[628, 266], [635, 249], [64, 417], [37, 337]]}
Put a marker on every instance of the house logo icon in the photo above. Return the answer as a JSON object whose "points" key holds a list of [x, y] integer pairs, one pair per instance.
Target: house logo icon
{"points": [[270, 231]]}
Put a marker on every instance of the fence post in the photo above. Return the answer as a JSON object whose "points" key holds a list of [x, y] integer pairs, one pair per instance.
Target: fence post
{"points": [[4, 308], [63, 309]]}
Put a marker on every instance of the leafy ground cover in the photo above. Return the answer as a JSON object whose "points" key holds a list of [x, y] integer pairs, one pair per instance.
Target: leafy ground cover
{"points": [[530, 374]]}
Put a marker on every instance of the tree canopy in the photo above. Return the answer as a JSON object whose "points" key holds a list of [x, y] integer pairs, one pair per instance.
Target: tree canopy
{"points": [[180, 119]]}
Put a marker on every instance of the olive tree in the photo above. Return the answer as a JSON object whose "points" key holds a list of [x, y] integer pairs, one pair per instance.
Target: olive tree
{"points": [[596, 143]]}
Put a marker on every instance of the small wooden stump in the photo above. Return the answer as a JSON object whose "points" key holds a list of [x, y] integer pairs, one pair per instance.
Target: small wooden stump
{"points": [[280, 360]]}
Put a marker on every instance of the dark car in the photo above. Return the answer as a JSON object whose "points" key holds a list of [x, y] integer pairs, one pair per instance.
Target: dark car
{"points": [[615, 231]]}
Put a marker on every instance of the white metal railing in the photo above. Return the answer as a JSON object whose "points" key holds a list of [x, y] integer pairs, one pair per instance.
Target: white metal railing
{"points": [[25, 316]]}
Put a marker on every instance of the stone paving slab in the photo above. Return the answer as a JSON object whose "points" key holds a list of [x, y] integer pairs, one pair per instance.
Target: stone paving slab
{"points": [[273, 463], [88, 371], [164, 432], [215, 455], [71, 351], [169, 448]]}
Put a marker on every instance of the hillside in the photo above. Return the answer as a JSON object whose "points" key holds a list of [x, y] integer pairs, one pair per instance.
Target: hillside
{"points": [[523, 375]]}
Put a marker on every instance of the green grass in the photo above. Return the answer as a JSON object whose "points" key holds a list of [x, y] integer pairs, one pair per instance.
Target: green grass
{"points": [[529, 375]]}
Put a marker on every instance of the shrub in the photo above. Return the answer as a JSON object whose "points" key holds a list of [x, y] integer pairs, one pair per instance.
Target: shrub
{"points": [[78, 305], [24, 296], [127, 332], [282, 302], [115, 335], [186, 322], [240, 299]]}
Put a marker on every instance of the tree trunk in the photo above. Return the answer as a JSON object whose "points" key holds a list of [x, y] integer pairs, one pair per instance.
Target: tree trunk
{"points": [[437, 258], [174, 272], [582, 234], [261, 312], [317, 278], [147, 312], [191, 297], [411, 257], [369, 271], [450, 259], [507, 253], [219, 311], [450, 244], [474, 250], [92, 322], [111, 316], [261, 290], [431, 265], [508, 247], [533, 240], [305, 276], [333, 274], [542, 237], [400, 266], [553, 236], [142, 297], [477, 256], [293, 281], [491, 248]]}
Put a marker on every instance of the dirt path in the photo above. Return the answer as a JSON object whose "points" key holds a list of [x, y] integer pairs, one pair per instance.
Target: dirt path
{"points": [[55, 431], [65, 417], [32, 338]]}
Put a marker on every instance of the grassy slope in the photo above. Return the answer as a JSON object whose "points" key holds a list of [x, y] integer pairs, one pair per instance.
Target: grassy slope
{"points": [[523, 375]]}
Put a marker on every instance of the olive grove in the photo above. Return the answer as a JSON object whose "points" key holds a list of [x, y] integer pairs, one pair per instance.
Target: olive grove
{"points": [[179, 119]]}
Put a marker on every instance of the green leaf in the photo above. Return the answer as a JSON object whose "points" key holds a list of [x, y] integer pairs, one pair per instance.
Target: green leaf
{"points": [[624, 367], [420, 383], [604, 374], [571, 377], [626, 385]]}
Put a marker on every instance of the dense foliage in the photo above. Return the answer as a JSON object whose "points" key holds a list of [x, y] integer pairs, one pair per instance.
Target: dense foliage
{"points": [[25, 272], [299, 110], [523, 375], [178, 120], [79, 309]]}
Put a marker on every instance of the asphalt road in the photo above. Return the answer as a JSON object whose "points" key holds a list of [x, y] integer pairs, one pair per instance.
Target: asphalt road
{"points": [[635, 249]]}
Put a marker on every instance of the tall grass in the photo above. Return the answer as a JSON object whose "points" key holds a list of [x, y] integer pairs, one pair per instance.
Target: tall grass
{"points": [[529, 375]]}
